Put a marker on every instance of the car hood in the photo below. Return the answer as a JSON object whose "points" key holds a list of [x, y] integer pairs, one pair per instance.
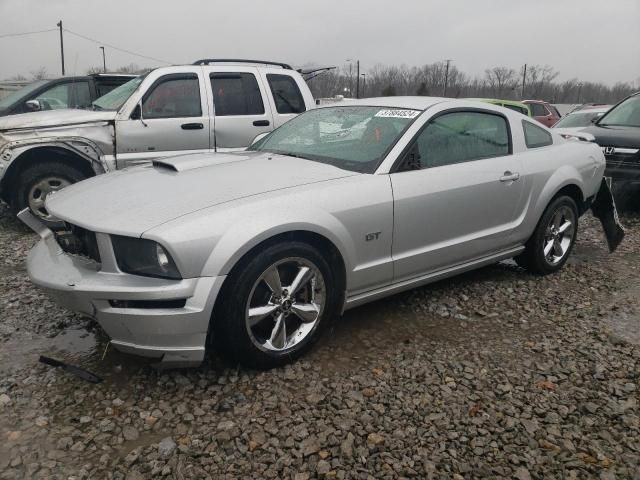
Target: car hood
{"points": [[54, 118], [132, 201], [624, 137]]}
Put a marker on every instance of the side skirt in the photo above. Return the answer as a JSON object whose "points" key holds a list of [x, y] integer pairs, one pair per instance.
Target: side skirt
{"points": [[362, 298]]}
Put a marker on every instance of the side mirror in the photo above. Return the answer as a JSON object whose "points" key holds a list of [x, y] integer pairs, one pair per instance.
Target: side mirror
{"points": [[136, 114], [33, 105], [596, 118], [259, 137]]}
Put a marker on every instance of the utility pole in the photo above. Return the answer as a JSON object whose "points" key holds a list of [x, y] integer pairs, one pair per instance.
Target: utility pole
{"points": [[59, 24], [364, 84], [446, 78], [104, 61], [524, 78], [357, 78]]}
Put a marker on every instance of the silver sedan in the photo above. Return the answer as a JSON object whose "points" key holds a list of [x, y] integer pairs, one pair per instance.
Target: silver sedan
{"points": [[254, 253]]}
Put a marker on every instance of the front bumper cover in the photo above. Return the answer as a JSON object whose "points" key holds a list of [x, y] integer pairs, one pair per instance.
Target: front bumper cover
{"points": [[175, 336]]}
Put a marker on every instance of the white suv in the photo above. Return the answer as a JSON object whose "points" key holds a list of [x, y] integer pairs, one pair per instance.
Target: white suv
{"points": [[212, 105]]}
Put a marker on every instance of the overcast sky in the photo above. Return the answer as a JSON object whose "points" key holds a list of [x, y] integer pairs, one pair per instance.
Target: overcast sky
{"points": [[597, 40]]}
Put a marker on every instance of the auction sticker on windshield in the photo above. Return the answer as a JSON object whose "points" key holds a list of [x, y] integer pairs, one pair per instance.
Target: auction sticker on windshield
{"points": [[398, 113]]}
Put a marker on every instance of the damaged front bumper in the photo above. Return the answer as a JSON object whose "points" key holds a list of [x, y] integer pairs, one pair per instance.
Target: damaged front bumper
{"points": [[152, 317], [604, 209]]}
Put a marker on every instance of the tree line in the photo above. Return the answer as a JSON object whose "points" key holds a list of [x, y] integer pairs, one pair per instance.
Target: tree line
{"points": [[540, 82]]}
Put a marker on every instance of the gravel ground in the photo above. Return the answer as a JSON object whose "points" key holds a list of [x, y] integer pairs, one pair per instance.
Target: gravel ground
{"points": [[495, 373]]}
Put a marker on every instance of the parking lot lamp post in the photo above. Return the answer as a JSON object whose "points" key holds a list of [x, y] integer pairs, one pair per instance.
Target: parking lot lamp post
{"points": [[104, 61], [579, 91]]}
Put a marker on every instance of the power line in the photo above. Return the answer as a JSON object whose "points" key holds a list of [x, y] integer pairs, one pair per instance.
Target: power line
{"points": [[27, 33], [98, 42]]}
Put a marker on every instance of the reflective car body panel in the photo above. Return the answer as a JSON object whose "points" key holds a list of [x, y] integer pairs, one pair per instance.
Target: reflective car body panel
{"points": [[393, 228]]}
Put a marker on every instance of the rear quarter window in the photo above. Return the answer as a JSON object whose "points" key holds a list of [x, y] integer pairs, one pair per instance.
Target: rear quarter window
{"points": [[286, 94], [535, 136]]}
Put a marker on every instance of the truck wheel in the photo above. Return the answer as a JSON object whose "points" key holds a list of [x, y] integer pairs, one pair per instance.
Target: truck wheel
{"points": [[38, 181], [550, 245], [275, 307]]}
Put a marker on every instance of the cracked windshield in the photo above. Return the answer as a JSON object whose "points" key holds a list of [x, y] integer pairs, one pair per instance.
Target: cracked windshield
{"points": [[306, 245]]}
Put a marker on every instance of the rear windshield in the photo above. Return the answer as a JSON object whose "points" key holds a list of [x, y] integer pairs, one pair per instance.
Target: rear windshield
{"points": [[577, 119]]}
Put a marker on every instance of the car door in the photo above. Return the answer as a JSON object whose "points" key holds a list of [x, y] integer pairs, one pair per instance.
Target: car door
{"points": [[173, 118], [285, 97], [456, 192], [240, 110]]}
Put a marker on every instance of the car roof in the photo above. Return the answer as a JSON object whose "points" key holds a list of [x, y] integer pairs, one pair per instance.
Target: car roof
{"points": [[415, 103]]}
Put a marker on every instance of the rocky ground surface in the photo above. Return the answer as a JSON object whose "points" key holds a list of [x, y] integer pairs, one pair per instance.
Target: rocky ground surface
{"points": [[495, 373]]}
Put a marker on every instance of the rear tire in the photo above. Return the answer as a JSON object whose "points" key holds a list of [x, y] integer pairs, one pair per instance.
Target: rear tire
{"points": [[265, 318], [552, 242], [36, 182]]}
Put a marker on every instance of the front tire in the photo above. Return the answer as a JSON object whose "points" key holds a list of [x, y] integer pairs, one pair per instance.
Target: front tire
{"points": [[275, 305], [552, 242], [38, 181]]}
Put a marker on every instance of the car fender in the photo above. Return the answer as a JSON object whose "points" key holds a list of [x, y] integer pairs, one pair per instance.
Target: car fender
{"points": [[563, 177], [78, 146], [238, 240]]}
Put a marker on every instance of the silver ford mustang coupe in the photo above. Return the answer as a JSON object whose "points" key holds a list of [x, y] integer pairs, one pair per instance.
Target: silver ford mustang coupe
{"points": [[253, 253]]}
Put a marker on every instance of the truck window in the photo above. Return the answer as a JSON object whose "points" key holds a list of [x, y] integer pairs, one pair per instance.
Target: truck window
{"points": [[173, 96], [286, 94], [236, 94]]}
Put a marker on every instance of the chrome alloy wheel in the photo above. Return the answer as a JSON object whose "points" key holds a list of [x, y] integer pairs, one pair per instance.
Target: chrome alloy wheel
{"points": [[39, 192], [559, 235], [285, 304]]}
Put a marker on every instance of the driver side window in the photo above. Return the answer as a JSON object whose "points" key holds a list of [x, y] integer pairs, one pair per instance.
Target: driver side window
{"points": [[459, 137], [173, 97]]}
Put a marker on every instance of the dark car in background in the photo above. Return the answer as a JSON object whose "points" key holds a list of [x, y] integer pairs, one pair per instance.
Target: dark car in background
{"points": [[618, 133], [65, 92], [543, 112]]}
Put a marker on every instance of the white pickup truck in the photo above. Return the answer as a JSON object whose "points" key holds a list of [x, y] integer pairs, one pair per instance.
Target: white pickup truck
{"points": [[212, 105]]}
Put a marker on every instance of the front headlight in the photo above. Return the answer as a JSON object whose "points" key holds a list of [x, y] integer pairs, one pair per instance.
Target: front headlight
{"points": [[139, 256]]}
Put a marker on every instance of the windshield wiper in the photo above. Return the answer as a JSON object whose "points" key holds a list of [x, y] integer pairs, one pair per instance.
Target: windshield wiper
{"points": [[95, 107]]}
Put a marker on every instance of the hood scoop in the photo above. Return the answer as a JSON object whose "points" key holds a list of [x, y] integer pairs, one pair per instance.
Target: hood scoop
{"points": [[164, 165], [182, 163]]}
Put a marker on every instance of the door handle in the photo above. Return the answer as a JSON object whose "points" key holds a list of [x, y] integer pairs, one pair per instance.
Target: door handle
{"points": [[509, 177], [261, 123], [192, 126]]}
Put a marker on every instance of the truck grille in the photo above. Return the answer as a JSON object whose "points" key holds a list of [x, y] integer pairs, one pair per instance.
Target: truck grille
{"points": [[78, 241]]}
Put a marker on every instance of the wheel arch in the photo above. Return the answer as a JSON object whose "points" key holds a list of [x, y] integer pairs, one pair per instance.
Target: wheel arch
{"points": [[54, 152], [565, 181], [327, 249]]}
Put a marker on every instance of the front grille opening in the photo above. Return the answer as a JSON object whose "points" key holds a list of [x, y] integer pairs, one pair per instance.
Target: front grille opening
{"points": [[78, 241], [178, 303]]}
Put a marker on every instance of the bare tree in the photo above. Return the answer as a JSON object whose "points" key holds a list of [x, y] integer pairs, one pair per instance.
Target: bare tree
{"points": [[39, 74], [502, 81]]}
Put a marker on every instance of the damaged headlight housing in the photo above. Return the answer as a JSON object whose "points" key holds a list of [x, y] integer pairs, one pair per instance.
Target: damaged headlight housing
{"points": [[139, 256]]}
